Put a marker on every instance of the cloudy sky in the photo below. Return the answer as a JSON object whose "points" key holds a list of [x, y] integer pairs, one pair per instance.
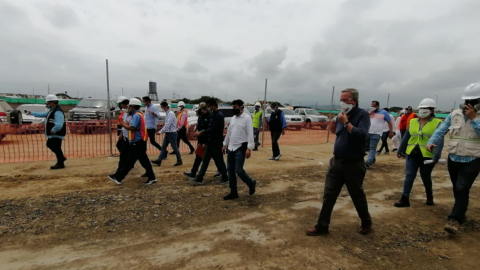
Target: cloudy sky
{"points": [[411, 49]]}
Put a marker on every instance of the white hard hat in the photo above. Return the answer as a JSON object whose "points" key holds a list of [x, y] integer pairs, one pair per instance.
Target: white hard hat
{"points": [[427, 103], [181, 103], [121, 99], [51, 97], [402, 112], [135, 102], [258, 104], [472, 91]]}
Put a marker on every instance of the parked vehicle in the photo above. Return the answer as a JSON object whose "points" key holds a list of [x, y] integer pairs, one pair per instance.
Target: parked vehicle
{"points": [[293, 120], [30, 119], [312, 117], [84, 118], [8, 116], [93, 109]]}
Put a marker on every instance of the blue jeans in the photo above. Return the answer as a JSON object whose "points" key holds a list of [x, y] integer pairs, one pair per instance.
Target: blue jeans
{"points": [[170, 138], [374, 139], [235, 161], [412, 166], [462, 176]]}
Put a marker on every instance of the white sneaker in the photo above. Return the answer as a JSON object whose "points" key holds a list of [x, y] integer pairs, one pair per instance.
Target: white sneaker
{"points": [[271, 158], [278, 157]]}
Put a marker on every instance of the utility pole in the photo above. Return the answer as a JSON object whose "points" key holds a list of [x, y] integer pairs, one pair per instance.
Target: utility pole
{"points": [[436, 99], [109, 112], [388, 99], [263, 118]]}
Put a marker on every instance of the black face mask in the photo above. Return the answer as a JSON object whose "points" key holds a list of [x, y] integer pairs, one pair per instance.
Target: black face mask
{"points": [[236, 111]]}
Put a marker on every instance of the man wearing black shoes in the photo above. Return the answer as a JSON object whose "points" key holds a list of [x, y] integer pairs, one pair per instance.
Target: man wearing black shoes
{"points": [[347, 167], [137, 136], [55, 128], [202, 124], [238, 145], [214, 135], [171, 136]]}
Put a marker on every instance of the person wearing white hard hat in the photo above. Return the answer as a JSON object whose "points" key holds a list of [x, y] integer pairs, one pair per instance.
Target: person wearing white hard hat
{"points": [[463, 127], [55, 128], [257, 123], [397, 138], [137, 137], [182, 122], [414, 145], [123, 105]]}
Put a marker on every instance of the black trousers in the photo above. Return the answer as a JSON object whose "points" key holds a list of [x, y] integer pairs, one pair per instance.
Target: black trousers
{"points": [[213, 151], [55, 144], [182, 135], [196, 164], [384, 141], [463, 176], [151, 137], [119, 144], [351, 174], [137, 151], [124, 149], [275, 137]]}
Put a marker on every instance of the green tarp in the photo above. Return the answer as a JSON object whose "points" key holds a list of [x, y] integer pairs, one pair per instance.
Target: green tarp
{"points": [[39, 101]]}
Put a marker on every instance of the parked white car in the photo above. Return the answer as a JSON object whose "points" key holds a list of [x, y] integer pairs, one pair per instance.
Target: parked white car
{"points": [[312, 117], [293, 120], [30, 119]]}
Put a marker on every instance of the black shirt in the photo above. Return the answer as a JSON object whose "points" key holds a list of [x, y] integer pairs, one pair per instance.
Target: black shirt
{"points": [[352, 145], [214, 132], [202, 124]]}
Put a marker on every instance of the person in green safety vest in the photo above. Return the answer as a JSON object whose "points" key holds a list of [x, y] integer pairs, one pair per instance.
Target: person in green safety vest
{"points": [[257, 124], [414, 145]]}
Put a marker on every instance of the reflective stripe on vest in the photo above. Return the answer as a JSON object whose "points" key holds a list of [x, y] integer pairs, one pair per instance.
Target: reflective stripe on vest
{"points": [[421, 137], [179, 118], [143, 129], [256, 118]]}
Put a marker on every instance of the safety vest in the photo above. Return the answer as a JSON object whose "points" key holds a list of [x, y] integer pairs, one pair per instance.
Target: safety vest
{"points": [[464, 140], [421, 137], [143, 129], [179, 117], [256, 118]]}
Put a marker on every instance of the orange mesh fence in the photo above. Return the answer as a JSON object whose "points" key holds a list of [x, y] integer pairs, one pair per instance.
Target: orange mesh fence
{"points": [[21, 143]]}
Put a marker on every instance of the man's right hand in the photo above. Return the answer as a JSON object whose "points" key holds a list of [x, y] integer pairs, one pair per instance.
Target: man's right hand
{"points": [[430, 147], [224, 150], [342, 117]]}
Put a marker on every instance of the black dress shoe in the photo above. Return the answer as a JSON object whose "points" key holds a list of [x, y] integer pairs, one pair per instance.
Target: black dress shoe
{"points": [[189, 174], [317, 230], [157, 162], [231, 196], [251, 190], [57, 166]]}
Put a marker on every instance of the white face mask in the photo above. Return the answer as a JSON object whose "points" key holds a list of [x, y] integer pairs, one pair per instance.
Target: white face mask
{"points": [[346, 108], [424, 113]]}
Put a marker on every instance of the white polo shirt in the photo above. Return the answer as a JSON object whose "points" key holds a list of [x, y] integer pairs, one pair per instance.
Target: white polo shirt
{"points": [[239, 131]]}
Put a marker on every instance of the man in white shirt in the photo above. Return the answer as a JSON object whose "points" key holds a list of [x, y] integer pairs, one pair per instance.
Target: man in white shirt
{"points": [[377, 119], [238, 145], [386, 132], [170, 130]]}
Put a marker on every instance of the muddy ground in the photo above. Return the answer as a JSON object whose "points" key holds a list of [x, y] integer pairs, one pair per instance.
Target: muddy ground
{"points": [[77, 219]]}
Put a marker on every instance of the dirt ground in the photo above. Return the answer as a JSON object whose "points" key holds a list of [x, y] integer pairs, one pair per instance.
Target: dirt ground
{"points": [[77, 219]]}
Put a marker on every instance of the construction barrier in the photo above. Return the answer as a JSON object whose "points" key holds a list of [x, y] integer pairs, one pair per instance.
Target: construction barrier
{"points": [[22, 143]]}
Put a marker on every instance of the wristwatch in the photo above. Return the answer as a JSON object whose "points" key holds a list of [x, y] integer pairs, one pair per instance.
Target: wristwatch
{"points": [[346, 124]]}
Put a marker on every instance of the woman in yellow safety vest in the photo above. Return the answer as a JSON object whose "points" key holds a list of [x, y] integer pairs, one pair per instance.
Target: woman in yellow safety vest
{"points": [[414, 145]]}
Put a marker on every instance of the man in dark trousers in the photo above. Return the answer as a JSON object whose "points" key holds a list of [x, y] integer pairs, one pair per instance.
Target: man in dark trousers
{"points": [[125, 145], [214, 135], [202, 124], [277, 125], [123, 105], [137, 136], [238, 145], [151, 117], [182, 124], [55, 129], [347, 167]]}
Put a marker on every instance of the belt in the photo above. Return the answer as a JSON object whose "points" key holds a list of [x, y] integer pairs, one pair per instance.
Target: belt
{"points": [[349, 159]]}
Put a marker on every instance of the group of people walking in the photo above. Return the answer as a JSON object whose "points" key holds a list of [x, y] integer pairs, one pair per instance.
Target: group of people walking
{"points": [[421, 145], [420, 141]]}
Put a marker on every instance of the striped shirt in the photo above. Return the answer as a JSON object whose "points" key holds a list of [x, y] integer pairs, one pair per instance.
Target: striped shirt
{"points": [[442, 131], [170, 123]]}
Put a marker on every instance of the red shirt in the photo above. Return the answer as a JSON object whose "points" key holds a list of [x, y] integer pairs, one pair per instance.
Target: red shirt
{"points": [[405, 121]]}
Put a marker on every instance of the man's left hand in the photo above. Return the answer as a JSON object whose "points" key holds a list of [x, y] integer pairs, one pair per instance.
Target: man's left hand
{"points": [[248, 153], [342, 117], [390, 135], [470, 112]]}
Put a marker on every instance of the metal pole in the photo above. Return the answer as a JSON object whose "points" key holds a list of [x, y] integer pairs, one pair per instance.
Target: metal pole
{"points": [[331, 109], [388, 99], [109, 111], [264, 111]]}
